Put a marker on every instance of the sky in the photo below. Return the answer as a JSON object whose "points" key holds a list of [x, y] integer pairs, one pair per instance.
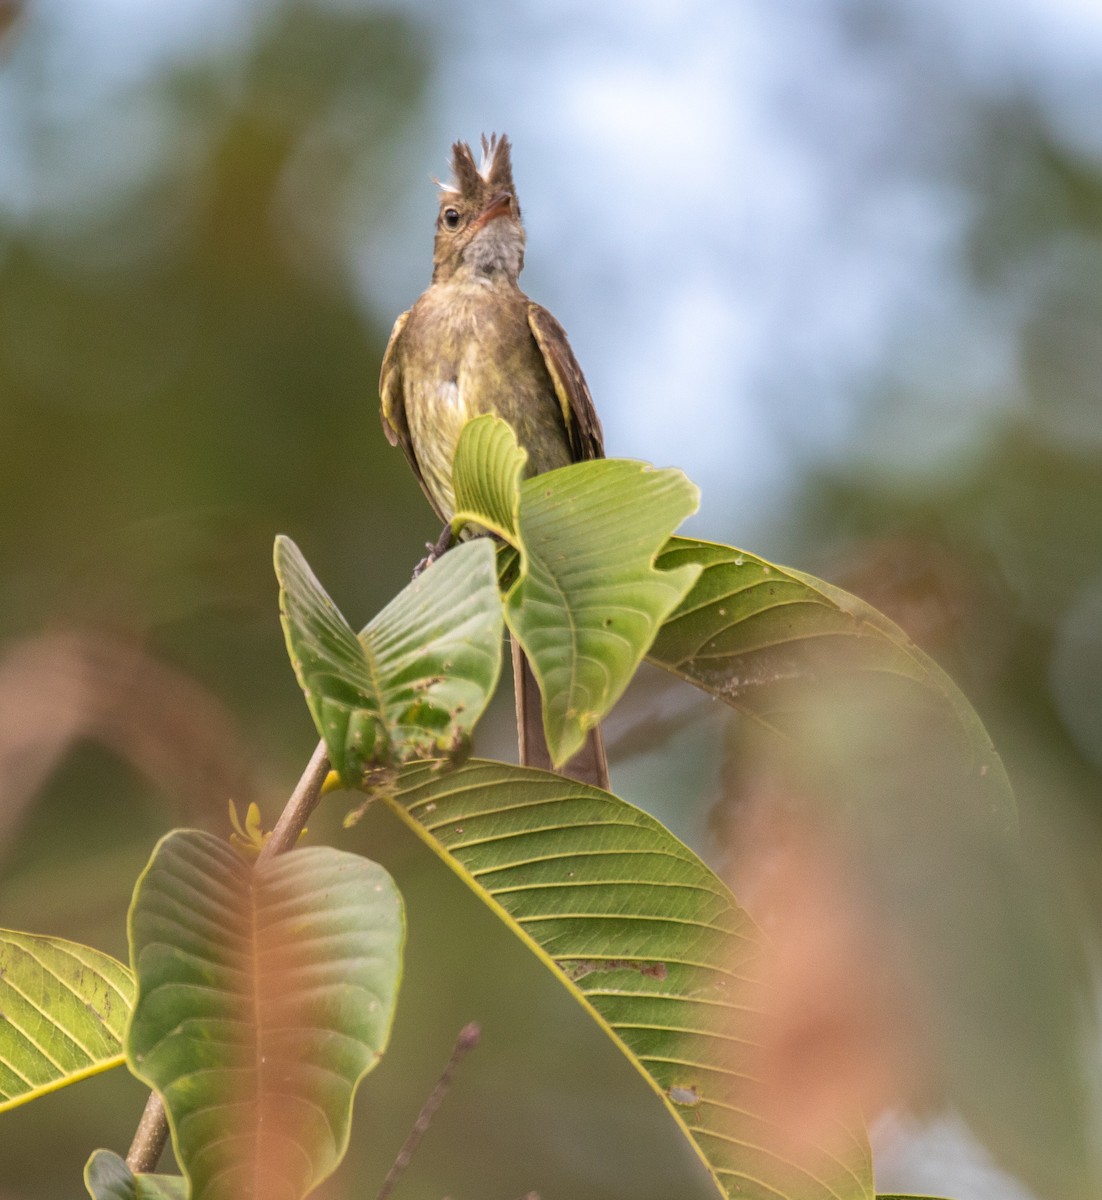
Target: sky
{"points": [[724, 214], [745, 214]]}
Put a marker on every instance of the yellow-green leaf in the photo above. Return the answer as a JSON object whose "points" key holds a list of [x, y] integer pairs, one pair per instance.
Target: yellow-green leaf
{"points": [[63, 1012], [649, 942], [587, 600]]}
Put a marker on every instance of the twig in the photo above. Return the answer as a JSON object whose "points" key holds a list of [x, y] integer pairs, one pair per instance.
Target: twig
{"points": [[464, 1043], [304, 799], [151, 1135]]}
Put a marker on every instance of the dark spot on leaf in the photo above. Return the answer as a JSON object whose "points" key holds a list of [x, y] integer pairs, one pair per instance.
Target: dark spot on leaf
{"points": [[578, 968], [423, 714]]}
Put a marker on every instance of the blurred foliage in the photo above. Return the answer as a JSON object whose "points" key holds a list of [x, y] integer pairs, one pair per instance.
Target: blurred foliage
{"points": [[186, 373], [994, 566]]}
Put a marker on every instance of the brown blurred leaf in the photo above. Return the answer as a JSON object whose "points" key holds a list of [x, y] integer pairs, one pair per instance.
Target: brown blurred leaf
{"points": [[842, 1032], [944, 601], [10, 11], [915, 934], [57, 688]]}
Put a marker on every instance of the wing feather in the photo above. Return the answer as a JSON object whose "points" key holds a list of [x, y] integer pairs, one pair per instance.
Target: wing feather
{"points": [[582, 425], [392, 409]]}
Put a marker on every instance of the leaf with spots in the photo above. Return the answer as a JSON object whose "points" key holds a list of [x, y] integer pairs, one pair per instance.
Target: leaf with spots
{"points": [[413, 684], [63, 1012], [650, 943], [785, 648]]}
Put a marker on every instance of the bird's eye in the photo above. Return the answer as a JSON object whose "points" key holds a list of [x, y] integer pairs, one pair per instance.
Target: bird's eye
{"points": [[451, 218]]}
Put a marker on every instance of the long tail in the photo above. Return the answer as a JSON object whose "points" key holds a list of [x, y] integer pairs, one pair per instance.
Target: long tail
{"points": [[589, 765]]}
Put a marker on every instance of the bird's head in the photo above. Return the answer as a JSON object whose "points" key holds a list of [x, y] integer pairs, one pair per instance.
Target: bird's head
{"points": [[479, 226]]}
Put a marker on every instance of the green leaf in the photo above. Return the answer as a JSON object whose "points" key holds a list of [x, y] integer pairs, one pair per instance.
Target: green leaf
{"points": [[587, 600], [264, 996], [487, 471], [63, 1011], [413, 684], [107, 1177], [771, 641], [884, 741], [648, 941]]}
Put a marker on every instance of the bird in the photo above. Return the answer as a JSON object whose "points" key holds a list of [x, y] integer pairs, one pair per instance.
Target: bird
{"points": [[474, 343]]}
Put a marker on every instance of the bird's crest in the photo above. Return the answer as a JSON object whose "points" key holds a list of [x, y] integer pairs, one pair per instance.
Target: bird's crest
{"points": [[493, 174]]}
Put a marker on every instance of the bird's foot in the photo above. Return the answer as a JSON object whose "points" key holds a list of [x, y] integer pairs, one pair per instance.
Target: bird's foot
{"points": [[426, 562], [435, 550]]}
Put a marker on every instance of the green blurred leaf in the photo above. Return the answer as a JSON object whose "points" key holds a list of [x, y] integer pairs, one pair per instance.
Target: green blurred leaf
{"points": [[63, 1012], [647, 940], [107, 1177], [764, 638], [587, 600], [414, 683], [264, 996]]}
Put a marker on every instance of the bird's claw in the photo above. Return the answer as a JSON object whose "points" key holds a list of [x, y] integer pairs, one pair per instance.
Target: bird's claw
{"points": [[427, 561], [435, 550]]}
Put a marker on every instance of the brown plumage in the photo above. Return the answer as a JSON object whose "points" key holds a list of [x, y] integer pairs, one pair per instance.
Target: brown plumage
{"points": [[474, 343]]}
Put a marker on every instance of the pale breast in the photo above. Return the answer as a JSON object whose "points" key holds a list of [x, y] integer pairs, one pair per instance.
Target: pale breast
{"points": [[437, 412], [469, 351]]}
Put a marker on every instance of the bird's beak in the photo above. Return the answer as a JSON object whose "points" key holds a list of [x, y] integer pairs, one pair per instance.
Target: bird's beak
{"points": [[501, 204]]}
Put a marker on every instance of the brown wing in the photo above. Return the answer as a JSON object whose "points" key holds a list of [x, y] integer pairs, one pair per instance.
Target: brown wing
{"points": [[393, 404], [586, 439]]}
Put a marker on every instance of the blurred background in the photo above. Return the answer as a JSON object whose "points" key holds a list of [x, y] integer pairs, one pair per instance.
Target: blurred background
{"points": [[839, 260]]}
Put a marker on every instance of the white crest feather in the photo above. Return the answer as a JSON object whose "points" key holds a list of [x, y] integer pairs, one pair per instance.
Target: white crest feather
{"points": [[489, 153]]}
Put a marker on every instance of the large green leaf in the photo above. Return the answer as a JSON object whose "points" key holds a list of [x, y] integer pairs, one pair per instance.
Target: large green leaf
{"points": [[648, 941], [771, 642], [415, 681], [587, 600], [107, 1177], [264, 996], [63, 1011], [877, 733]]}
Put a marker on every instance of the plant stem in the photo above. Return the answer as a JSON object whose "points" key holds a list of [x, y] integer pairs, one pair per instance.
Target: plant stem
{"points": [[467, 1040], [304, 799], [150, 1138], [151, 1135]]}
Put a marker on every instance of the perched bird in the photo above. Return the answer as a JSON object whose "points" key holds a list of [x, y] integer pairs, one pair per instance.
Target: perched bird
{"points": [[474, 343]]}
